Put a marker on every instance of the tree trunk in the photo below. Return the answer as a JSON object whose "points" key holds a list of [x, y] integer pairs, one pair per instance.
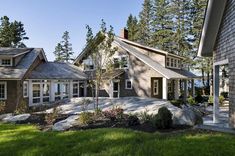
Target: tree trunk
{"points": [[97, 93], [203, 81]]}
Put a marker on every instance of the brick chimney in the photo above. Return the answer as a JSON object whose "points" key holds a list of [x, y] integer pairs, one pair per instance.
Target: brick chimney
{"points": [[124, 33]]}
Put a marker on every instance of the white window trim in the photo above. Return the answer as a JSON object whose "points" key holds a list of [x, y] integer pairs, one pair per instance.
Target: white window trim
{"points": [[177, 62], [6, 59], [120, 59], [27, 92], [5, 91], [126, 84]]}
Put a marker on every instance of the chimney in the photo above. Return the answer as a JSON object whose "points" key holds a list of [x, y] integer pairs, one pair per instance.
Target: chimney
{"points": [[124, 33]]}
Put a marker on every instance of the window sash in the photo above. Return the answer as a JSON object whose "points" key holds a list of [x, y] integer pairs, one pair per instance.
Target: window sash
{"points": [[25, 89], [126, 84], [3, 90]]}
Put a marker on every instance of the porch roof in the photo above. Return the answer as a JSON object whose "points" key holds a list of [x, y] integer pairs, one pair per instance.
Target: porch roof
{"points": [[57, 70], [166, 72]]}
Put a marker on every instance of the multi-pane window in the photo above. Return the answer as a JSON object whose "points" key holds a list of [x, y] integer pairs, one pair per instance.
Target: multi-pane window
{"points": [[46, 92], [75, 89], [128, 84], [3, 90], [173, 62], [121, 62], [6, 62], [25, 89], [36, 93], [88, 64]]}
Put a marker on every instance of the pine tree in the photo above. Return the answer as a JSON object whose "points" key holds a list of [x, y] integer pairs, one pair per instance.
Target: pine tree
{"points": [[58, 52], [66, 48], [162, 25], [132, 27], [12, 34], [145, 19]]}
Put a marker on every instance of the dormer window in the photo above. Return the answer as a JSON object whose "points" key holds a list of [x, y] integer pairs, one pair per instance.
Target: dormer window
{"points": [[6, 62], [172, 62]]}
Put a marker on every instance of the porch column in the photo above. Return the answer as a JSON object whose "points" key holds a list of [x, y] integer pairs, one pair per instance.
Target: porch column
{"points": [[216, 94], [164, 88], [193, 88], [85, 88], [30, 93], [176, 89], [52, 91], [185, 89], [70, 89]]}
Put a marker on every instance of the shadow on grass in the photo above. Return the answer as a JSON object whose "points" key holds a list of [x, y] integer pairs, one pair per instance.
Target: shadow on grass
{"points": [[27, 140]]}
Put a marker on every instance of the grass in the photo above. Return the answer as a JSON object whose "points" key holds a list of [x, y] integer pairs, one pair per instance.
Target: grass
{"points": [[27, 140]]}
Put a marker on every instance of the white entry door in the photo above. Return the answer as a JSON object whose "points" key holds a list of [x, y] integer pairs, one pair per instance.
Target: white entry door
{"points": [[116, 89]]}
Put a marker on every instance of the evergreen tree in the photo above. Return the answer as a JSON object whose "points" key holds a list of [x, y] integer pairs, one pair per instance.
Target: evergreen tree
{"points": [[63, 50], [162, 25], [145, 19], [58, 52], [66, 47], [12, 34], [132, 27]]}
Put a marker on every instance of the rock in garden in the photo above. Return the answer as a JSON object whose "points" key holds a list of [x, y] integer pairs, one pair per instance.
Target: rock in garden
{"points": [[16, 118], [5, 115], [66, 124], [186, 116]]}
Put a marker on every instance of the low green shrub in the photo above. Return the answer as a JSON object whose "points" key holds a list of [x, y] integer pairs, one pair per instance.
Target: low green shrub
{"points": [[199, 98], [211, 100], [163, 119], [191, 100], [2, 107], [221, 99], [86, 118], [145, 117], [51, 117], [224, 94], [177, 103], [133, 120]]}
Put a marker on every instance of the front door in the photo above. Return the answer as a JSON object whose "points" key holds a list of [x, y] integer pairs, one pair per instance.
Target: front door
{"points": [[116, 89], [156, 87]]}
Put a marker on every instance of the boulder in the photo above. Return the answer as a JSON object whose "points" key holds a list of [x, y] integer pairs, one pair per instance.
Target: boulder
{"points": [[16, 118], [187, 116], [5, 115], [66, 124]]}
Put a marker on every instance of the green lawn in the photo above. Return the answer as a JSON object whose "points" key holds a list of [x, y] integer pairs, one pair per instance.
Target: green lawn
{"points": [[27, 140]]}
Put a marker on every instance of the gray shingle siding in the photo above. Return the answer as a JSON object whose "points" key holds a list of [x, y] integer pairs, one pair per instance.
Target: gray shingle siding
{"points": [[225, 49]]}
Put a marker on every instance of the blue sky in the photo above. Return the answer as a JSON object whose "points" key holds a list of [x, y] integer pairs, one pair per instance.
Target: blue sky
{"points": [[46, 20]]}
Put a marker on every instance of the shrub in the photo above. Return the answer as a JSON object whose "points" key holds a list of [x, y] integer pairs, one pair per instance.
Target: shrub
{"points": [[51, 117], [98, 112], [221, 99], [86, 118], [191, 100], [145, 117], [199, 98], [114, 113], [211, 100], [224, 94], [2, 106], [177, 103], [133, 120], [163, 119], [21, 107]]}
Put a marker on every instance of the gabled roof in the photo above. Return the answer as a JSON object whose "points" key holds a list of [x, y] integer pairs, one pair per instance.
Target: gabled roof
{"points": [[213, 17], [13, 52], [149, 48], [166, 72], [57, 70], [19, 71]]}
